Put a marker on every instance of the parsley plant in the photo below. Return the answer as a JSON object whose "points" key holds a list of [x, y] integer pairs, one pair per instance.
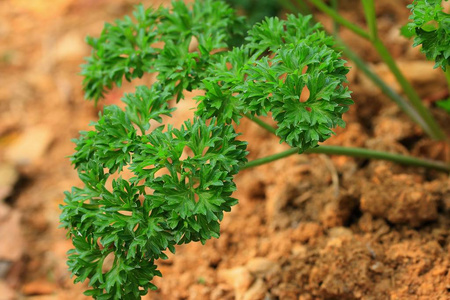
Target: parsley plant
{"points": [[413, 105], [431, 26], [181, 180]]}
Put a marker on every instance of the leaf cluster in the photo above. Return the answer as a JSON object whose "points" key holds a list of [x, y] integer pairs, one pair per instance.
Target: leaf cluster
{"points": [[149, 187], [431, 26], [181, 184], [283, 62], [159, 40]]}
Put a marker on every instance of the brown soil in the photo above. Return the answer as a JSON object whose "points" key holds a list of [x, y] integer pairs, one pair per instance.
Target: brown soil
{"points": [[307, 227]]}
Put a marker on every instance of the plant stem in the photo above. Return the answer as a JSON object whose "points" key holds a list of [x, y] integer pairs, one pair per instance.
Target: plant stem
{"points": [[433, 128], [270, 158], [374, 154], [338, 18], [261, 123], [387, 90], [356, 152], [447, 76], [335, 6], [348, 151], [369, 11], [436, 131], [303, 8]]}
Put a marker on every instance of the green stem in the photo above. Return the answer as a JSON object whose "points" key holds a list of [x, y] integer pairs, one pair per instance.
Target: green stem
{"points": [[416, 102], [356, 152], [335, 6], [270, 158], [303, 7], [433, 128], [287, 4], [386, 89], [447, 76], [260, 123], [348, 151], [374, 154], [369, 11], [338, 18]]}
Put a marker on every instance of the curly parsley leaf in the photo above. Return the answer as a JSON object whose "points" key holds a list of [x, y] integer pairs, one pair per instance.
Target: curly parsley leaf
{"points": [[181, 184], [431, 26], [147, 104], [122, 50], [129, 49], [220, 99], [278, 87], [282, 61]]}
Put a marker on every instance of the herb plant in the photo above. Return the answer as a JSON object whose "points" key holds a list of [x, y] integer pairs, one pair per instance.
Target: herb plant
{"points": [[412, 105], [181, 179], [430, 26]]}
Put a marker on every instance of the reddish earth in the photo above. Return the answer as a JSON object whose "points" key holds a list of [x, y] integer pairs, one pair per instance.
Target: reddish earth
{"points": [[307, 227]]}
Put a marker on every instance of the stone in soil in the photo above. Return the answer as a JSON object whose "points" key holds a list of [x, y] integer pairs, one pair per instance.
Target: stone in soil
{"points": [[12, 244], [8, 178], [239, 278], [30, 146]]}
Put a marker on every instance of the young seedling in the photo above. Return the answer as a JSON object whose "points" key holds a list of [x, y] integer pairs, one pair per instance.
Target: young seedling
{"points": [[182, 178]]}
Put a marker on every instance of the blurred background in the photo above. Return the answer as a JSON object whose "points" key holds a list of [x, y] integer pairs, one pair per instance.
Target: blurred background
{"points": [[289, 234]]}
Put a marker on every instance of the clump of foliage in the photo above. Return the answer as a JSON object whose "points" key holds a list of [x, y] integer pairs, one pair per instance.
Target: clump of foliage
{"points": [[127, 48], [149, 186], [182, 178], [412, 105], [431, 27]]}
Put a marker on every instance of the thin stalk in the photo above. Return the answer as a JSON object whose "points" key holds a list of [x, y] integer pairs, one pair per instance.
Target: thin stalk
{"points": [[433, 128], [436, 131], [386, 89], [335, 6], [302, 7], [356, 152], [369, 11], [270, 158], [347, 151], [338, 18], [374, 154], [261, 123], [447, 76]]}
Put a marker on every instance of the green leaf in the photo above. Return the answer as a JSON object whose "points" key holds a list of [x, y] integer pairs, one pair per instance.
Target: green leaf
{"points": [[123, 50], [128, 49], [147, 104], [432, 30], [444, 104]]}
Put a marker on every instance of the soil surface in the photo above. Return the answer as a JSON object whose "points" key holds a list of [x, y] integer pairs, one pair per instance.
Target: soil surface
{"points": [[306, 227]]}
